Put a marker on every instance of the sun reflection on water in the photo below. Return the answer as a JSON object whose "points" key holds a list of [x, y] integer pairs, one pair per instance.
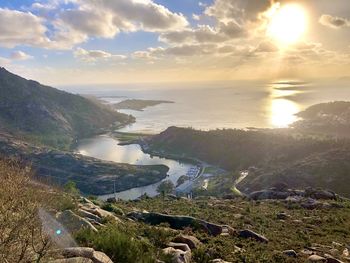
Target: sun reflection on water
{"points": [[283, 108]]}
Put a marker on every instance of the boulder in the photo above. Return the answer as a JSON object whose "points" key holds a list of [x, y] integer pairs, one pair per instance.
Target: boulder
{"points": [[177, 222], [320, 194], [85, 252], [72, 260], [290, 253], [331, 259], [73, 222], [219, 261], [100, 257], [251, 234], [99, 212], [178, 256], [182, 246], [89, 215], [316, 258], [191, 241]]}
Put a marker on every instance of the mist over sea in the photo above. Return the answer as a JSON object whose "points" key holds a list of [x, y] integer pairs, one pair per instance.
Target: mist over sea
{"points": [[220, 105]]}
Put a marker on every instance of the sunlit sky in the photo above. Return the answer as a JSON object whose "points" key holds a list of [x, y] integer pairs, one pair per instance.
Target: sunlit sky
{"points": [[70, 42]]}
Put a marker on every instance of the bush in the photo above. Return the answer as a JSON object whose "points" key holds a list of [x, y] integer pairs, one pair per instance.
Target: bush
{"points": [[112, 208], [21, 238], [118, 245]]}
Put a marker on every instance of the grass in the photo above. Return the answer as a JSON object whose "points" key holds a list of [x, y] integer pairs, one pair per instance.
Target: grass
{"points": [[316, 226]]}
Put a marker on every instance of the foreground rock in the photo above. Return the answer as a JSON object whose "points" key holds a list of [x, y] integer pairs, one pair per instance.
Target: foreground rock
{"points": [[178, 255], [180, 222], [79, 254], [191, 241], [251, 234]]}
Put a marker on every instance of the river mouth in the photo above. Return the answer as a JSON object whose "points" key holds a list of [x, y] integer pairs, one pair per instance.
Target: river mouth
{"points": [[107, 148]]}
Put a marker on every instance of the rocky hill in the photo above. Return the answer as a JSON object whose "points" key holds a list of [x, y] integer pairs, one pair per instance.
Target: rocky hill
{"points": [[50, 116]]}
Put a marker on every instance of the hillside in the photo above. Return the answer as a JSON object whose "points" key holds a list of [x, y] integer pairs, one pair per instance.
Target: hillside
{"points": [[277, 156], [50, 116]]}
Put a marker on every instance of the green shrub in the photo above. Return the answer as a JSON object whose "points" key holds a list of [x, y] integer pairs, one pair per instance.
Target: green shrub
{"points": [[112, 208], [118, 245]]}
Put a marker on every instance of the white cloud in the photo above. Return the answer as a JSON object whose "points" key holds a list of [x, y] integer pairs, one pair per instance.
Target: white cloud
{"points": [[94, 55], [21, 28], [333, 21], [20, 55]]}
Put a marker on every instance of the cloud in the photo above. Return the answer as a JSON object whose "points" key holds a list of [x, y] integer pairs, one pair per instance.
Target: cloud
{"points": [[20, 55], [21, 28], [94, 55], [333, 21]]}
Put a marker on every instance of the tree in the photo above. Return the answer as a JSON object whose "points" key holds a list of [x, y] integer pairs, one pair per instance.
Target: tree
{"points": [[166, 187], [71, 188]]}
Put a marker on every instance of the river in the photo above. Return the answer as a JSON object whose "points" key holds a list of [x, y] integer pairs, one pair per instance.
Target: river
{"points": [[106, 148]]}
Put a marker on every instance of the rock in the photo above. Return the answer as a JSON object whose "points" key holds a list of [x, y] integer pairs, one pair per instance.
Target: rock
{"points": [[311, 204], [334, 252], [331, 259], [282, 216], [179, 256], [72, 260], [316, 258], [219, 261], [103, 214], [269, 194], [100, 257], [320, 194], [177, 222], [250, 234], [191, 241], [73, 222], [84, 252], [290, 253], [89, 215], [345, 252], [182, 246]]}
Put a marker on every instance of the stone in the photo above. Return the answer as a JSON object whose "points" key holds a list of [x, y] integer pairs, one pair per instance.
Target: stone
{"points": [[282, 216], [100, 257], [191, 241], [290, 253], [179, 256], [251, 234], [73, 222], [71, 252], [72, 260], [316, 258], [177, 222], [331, 259], [89, 215], [219, 261], [182, 246]]}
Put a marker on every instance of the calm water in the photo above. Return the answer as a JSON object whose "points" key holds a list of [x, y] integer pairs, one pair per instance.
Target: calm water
{"points": [[226, 106], [107, 148]]}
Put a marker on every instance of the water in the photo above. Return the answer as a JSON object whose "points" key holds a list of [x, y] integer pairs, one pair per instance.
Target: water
{"points": [[246, 104], [107, 148]]}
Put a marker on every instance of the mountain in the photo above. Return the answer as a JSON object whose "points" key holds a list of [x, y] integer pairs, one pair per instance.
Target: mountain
{"points": [[50, 116]]}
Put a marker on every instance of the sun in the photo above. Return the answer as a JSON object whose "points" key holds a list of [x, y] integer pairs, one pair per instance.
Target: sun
{"points": [[288, 24]]}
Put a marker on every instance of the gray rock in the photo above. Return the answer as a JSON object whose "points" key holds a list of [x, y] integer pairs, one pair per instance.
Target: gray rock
{"points": [[290, 253], [191, 241], [182, 246], [282, 216], [251, 234], [73, 222], [72, 260], [72, 252], [316, 258], [219, 261], [178, 256], [89, 215], [100, 257], [177, 222]]}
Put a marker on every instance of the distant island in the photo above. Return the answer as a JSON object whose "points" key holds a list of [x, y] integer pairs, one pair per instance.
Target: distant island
{"points": [[138, 105]]}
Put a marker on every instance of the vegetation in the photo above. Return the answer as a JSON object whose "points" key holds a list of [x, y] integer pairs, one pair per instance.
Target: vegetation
{"points": [[49, 116], [302, 228], [166, 187], [290, 157]]}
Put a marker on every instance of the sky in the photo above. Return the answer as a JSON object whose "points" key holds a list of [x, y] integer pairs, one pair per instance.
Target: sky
{"points": [[79, 42]]}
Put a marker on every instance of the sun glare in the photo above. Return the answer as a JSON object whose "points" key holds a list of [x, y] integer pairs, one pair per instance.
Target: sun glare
{"points": [[288, 24]]}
